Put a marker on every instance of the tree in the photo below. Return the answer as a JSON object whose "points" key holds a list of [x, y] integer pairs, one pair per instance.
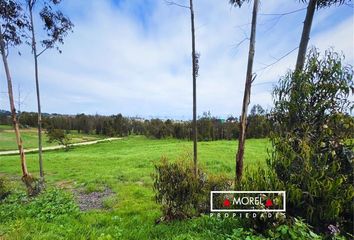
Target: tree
{"points": [[59, 136], [313, 155], [257, 123], [305, 36], [195, 69], [205, 127], [12, 25], [56, 25], [247, 92]]}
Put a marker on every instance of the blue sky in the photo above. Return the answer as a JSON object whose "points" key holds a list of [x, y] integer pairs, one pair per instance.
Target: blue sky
{"points": [[133, 57]]}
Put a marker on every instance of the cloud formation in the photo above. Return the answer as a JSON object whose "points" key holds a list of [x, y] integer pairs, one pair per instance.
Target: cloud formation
{"points": [[133, 57]]}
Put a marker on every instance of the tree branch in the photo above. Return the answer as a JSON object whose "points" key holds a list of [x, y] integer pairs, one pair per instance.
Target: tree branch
{"points": [[277, 60], [240, 42], [283, 14], [170, 3], [253, 77], [278, 17], [244, 39], [45, 49]]}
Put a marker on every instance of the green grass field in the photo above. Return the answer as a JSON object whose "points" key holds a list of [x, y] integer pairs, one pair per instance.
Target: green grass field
{"points": [[30, 138], [125, 166]]}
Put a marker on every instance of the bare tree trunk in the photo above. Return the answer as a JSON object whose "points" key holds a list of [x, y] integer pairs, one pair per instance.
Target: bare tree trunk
{"points": [[305, 37], [246, 96], [34, 49], [301, 57], [25, 173], [194, 66]]}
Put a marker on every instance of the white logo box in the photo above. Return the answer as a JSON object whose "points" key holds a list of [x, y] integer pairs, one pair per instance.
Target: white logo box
{"points": [[248, 210]]}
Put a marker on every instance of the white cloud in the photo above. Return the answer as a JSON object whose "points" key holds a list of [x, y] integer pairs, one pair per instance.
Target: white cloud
{"points": [[117, 62]]}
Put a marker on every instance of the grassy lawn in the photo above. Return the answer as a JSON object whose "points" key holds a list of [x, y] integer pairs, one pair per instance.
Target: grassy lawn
{"points": [[30, 138], [125, 166]]}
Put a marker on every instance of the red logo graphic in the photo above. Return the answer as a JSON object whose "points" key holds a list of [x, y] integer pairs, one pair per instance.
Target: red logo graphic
{"points": [[269, 203], [227, 203]]}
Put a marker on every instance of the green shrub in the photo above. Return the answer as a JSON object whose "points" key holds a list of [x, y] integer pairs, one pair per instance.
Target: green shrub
{"points": [[213, 183], [296, 230], [4, 188], [235, 229], [180, 193], [59, 136], [177, 189], [312, 152], [261, 179]]}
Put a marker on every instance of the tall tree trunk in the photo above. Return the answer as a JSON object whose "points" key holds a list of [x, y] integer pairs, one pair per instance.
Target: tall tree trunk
{"points": [[301, 56], [25, 173], [246, 96], [194, 66], [34, 49], [305, 37]]}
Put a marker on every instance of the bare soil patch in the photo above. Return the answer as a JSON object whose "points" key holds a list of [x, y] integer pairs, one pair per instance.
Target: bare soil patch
{"points": [[93, 200]]}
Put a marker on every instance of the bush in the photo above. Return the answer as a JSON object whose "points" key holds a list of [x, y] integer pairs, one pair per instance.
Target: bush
{"points": [[180, 193], [235, 229], [177, 189], [213, 183], [297, 230], [4, 188], [59, 136], [312, 152], [261, 179]]}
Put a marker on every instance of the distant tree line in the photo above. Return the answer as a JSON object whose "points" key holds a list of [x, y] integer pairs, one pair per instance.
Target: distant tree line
{"points": [[209, 128]]}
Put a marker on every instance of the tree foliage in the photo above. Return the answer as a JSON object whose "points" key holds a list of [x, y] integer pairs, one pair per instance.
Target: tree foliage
{"points": [[180, 193], [312, 135], [327, 3], [59, 136], [54, 23], [210, 128], [237, 3], [13, 23], [258, 125], [177, 189]]}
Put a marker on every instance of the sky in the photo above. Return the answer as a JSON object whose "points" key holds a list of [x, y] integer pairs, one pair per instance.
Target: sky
{"points": [[134, 57]]}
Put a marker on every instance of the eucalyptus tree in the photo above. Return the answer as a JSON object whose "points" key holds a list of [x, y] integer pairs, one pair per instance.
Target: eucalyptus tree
{"points": [[305, 36], [195, 70], [247, 93], [12, 26], [56, 26]]}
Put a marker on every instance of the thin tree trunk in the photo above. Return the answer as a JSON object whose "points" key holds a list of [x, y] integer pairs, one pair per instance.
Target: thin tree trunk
{"points": [[301, 56], [246, 96], [25, 173], [34, 49], [305, 37], [194, 127]]}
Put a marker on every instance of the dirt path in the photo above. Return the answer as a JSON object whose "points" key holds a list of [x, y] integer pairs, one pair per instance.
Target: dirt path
{"points": [[12, 152]]}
